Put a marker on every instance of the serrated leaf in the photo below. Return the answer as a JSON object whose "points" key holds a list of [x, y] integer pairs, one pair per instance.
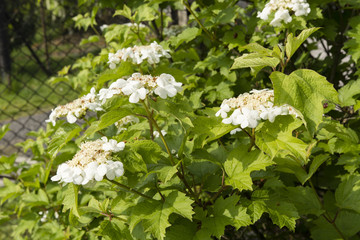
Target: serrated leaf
{"points": [[126, 12], [181, 229], [9, 190], [124, 69], [70, 200], [292, 44], [347, 194], [305, 200], [241, 163], [62, 136], [145, 13], [186, 36], [255, 60], [304, 90], [149, 150], [276, 138], [347, 93], [281, 212], [210, 128], [106, 120], [164, 172], [353, 44], [154, 215], [109, 229], [225, 212], [255, 47], [36, 199]]}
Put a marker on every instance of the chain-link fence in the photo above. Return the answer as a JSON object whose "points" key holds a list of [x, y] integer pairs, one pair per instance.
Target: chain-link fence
{"points": [[35, 43]]}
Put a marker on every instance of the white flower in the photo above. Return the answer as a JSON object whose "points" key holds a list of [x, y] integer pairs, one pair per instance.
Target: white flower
{"points": [[91, 163], [232, 132], [282, 9], [137, 54], [103, 27], [281, 15], [138, 86], [76, 108], [249, 109], [167, 86], [264, 14], [224, 109], [157, 134], [112, 145]]}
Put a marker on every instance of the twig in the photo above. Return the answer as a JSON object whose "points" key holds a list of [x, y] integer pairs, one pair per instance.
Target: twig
{"points": [[130, 189]]}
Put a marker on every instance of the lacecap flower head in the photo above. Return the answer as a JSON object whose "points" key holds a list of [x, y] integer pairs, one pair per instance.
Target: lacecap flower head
{"points": [[283, 9], [138, 86], [248, 109], [137, 54], [75, 109], [92, 163]]}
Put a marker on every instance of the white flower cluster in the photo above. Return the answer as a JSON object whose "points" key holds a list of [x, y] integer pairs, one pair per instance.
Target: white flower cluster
{"points": [[138, 86], [125, 121], [92, 163], [249, 109], [134, 25], [282, 9], [76, 108], [137, 54]]}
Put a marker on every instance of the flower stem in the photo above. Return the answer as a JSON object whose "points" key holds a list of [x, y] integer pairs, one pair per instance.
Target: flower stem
{"points": [[130, 189], [160, 133], [186, 3], [178, 173]]}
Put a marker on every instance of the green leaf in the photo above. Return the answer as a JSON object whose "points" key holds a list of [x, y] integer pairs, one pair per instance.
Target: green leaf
{"points": [[4, 129], [281, 212], [106, 120], [62, 136], [347, 194], [70, 200], [164, 172], [186, 36], [125, 68], [355, 3], [225, 212], [348, 92], [145, 13], [9, 190], [304, 90], [126, 12], [255, 60], [293, 166], [276, 138], [149, 150], [323, 230], [255, 47], [210, 128], [292, 44], [181, 229], [353, 44], [154, 215], [241, 163], [305, 200], [345, 222], [36, 199], [109, 229]]}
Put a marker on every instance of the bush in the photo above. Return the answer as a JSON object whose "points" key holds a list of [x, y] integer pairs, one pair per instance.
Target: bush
{"points": [[147, 153]]}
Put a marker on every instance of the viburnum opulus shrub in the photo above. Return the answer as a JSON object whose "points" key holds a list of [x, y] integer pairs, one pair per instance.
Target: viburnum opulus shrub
{"points": [[242, 124]]}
